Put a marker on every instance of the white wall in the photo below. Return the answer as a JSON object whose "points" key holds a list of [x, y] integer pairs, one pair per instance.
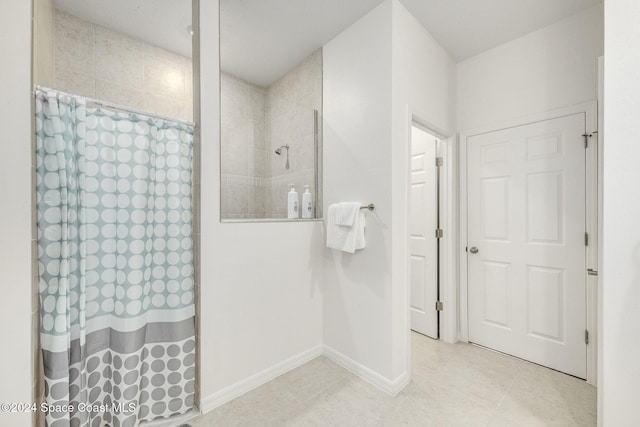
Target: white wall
{"points": [[15, 215], [260, 297], [553, 67], [424, 80], [374, 72], [619, 389], [357, 167]]}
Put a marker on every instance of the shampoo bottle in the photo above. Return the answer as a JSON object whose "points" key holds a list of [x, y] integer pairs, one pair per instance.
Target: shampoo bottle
{"points": [[292, 203], [307, 203]]}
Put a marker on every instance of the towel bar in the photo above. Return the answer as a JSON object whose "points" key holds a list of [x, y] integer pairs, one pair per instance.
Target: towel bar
{"points": [[370, 206]]}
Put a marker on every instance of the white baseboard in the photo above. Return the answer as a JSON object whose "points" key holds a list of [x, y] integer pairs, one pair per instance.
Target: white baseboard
{"points": [[241, 387], [391, 387]]}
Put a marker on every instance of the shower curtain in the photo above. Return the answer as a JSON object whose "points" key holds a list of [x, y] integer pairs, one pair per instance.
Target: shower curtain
{"points": [[115, 263]]}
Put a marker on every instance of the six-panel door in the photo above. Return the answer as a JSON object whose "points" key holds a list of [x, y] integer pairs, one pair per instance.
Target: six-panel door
{"points": [[526, 217], [422, 226]]}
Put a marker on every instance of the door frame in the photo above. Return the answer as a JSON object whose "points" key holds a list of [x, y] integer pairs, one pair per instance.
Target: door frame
{"points": [[589, 109], [448, 327]]}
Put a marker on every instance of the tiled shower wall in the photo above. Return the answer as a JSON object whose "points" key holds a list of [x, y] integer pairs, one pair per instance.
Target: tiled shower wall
{"points": [[291, 102], [255, 122], [97, 62], [243, 148]]}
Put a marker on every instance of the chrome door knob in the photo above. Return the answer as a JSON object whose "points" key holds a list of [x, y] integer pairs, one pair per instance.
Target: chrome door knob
{"points": [[473, 250]]}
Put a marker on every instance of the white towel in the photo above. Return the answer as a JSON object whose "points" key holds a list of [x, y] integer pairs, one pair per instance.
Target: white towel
{"points": [[346, 213], [345, 238]]}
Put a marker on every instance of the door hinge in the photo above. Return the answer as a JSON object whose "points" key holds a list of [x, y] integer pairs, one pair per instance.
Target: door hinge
{"points": [[439, 161], [586, 336], [592, 272], [439, 233], [586, 138], [439, 306], [586, 239]]}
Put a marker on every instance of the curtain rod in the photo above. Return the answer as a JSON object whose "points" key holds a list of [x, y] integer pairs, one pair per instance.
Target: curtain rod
{"points": [[115, 106]]}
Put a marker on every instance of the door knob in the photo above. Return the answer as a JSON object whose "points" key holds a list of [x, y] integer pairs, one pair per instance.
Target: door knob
{"points": [[473, 250]]}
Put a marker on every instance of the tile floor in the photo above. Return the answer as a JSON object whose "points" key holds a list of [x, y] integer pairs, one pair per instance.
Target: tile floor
{"points": [[453, 385]]}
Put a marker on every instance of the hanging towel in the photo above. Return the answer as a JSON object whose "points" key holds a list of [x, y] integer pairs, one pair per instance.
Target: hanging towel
{"points": [[346, 213], [345, 238], [362, 223]]}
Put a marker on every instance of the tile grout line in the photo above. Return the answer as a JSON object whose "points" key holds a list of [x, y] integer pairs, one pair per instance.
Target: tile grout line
{"points": [[506, 393]]}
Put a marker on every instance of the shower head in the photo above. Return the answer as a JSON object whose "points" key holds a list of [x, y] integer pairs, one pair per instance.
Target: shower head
{"points": [[279, 149]]}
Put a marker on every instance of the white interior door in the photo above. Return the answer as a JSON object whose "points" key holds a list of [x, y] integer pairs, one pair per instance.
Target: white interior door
{"points": [[422, 240], [526, 218]]}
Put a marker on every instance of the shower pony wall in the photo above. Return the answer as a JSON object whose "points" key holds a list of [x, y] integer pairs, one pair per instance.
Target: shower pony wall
{"points": [[255, 122]]}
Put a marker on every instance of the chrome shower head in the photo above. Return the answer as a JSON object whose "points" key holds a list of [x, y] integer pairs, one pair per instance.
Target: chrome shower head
{"points": [[279, 149]]}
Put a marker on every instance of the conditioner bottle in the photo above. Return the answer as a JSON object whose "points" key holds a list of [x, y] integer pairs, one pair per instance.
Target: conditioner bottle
{"points": [[292, 203], [307, 203]]}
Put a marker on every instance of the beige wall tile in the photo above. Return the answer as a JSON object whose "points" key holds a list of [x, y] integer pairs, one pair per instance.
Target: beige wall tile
{"points": [[235, 154], [281, 101], [163, 105], [309, 89], [119, 58], [258, 135], [224, 190], [279, 199], [257, 99], [74, 44], [305, 153], [95, 61], [256, 200], [121, 95], [165, 78], [187, 110], [71, 81], [238, 199], [259, 163], [188, 79], [234, 98], [151, 51]]}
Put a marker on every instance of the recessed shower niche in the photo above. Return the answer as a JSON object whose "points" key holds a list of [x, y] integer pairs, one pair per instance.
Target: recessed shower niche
{"points": [[270, 113]]}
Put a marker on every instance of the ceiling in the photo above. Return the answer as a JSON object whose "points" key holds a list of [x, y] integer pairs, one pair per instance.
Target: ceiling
{"points": [[262, 39], [468, 27]]}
